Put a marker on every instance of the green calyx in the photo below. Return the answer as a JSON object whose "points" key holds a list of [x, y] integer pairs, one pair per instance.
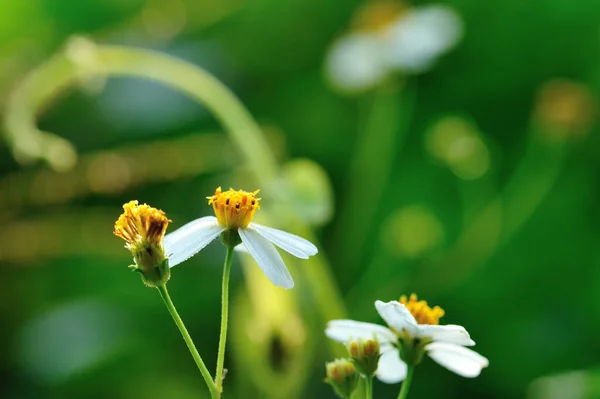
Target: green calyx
{"points": [[231, 238], [412, 349], [154, 276]]}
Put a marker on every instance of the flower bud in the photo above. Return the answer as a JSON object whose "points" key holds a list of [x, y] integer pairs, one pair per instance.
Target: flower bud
{"points": [[342, 376], [365, 354]]}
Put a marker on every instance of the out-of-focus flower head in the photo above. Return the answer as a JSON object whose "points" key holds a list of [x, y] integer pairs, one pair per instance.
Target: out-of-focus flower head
{"points": [[565, 110], [390, 37], [342, 376]]}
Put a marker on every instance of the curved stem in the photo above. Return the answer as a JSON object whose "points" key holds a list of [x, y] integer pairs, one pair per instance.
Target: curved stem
{"points": [[407, 381], [224, 317], [164, 294], [65, 69], [368, 387]]}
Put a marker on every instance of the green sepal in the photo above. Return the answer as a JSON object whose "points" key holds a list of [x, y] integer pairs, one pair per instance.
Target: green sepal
{"points": [[157, 275], [230, 238]]}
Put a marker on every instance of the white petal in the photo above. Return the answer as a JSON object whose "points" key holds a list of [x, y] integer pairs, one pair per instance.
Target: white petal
{"points": [[297, 246], [461, 360], [267, 257], [344, 330], [391, 369], [450, 333], [189, 239], [417, 38], [356, 62], [241, 248], [397, 316]]}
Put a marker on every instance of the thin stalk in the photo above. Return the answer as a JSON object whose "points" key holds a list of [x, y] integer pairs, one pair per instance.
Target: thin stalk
{"points": [[368, 387], [407, 381], [224, 318], [164, 294]]}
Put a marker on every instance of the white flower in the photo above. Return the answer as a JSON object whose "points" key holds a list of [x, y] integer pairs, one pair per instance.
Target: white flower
{"points": [[417, 39], [355, 62], [410, 42], [234, 211], [444, 344]]}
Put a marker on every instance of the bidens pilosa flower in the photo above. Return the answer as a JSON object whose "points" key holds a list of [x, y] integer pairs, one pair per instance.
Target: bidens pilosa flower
{"points": [[413, 330], [390, 37], [143, 228], [233, 222]]}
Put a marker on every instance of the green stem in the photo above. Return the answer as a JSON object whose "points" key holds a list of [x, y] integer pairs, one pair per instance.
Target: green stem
{"points": [[164, 294], [407, 381], [224, 317], [368, 387], [385, 126]]}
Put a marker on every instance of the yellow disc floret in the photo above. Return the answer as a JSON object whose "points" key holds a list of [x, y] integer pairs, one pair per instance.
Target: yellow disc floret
{"points": [[234, 209], [141, 223], [143, 228], [422, 312]]}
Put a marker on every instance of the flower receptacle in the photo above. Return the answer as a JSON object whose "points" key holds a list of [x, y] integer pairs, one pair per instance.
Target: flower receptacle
{"points": [[154, 276], [231, 238], [412, 349]]}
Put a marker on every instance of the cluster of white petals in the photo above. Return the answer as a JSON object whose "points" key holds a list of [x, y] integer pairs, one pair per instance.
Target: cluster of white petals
{"points": [[411, 43], [446, 346], [256, 239]]}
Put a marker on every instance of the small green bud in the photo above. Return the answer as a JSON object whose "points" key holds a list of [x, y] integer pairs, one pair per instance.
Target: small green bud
{"points": [[365, 355], [342, 376]]}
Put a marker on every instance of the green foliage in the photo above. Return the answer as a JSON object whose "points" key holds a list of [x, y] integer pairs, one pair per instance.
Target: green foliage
{"points": [[510, 253]]}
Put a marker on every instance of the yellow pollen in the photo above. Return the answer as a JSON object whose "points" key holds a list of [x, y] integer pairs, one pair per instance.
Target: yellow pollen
{"points": [[234, 209], [421, 311], [141, 224]]}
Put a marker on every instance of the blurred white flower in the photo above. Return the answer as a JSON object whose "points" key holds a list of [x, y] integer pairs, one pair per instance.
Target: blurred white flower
{"points": [[410, 42], [413, 330], [234, 211]]}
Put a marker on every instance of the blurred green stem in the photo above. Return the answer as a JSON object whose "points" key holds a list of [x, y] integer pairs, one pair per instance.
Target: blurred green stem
{"points": [[501, 219], [224, 319], [164, 294], [407, 381], [368, 387], [385, 122], [64, 70]]}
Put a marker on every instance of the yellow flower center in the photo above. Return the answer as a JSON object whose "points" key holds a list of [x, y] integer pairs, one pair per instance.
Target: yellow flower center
{"points": [[377, 15], [234, 209], [141, 225], [422, 312]]}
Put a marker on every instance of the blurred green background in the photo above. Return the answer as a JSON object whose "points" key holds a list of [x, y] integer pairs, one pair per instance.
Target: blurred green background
{"points": [[472, 184]]}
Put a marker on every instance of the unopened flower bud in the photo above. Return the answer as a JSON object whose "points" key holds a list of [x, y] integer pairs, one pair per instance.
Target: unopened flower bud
{"points": [[365, 354], [342, 376]]}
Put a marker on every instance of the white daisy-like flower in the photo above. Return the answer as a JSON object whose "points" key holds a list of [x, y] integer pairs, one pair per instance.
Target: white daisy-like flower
{"points": [[234, 211], [391, 38], [413, 330]]}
